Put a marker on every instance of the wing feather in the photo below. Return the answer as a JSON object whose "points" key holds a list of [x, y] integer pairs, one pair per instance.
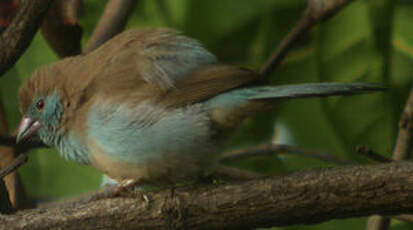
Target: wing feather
{"points": [[161, 65], [161, 57]]}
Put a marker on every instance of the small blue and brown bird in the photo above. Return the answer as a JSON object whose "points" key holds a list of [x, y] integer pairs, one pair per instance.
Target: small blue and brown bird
{"points": [[149, 106]]}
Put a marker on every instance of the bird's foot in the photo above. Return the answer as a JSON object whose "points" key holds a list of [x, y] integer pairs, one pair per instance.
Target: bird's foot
{"points": [[126, 188]]}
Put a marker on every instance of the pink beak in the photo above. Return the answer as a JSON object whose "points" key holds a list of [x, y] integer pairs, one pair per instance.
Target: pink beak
{"points": [[27, 128]]}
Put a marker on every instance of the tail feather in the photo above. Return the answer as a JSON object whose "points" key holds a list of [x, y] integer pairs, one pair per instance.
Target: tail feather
{"points": [[228, 109], [312, 90]]}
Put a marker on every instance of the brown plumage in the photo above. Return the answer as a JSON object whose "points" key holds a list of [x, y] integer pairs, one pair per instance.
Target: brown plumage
{"points": [[118, 68], [147, 105]]}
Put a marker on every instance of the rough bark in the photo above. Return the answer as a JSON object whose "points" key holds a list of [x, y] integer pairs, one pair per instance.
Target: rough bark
{"points": [[307, 197], [18, 35], [402, 151]]}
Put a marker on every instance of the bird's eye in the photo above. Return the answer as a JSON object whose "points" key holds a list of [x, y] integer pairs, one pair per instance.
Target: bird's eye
{"points": [[40, 104]]}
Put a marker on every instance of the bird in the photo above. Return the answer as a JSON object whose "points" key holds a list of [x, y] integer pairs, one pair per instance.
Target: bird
{"points": [[150, 106]]}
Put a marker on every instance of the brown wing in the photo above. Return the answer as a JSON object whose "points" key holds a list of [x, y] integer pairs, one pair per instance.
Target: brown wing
{"points": [[163, 66], [206, 83], [202, 84], [160, 57]]}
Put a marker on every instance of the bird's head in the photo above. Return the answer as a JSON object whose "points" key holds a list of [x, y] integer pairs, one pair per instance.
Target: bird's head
{"points": [[42, 105]]}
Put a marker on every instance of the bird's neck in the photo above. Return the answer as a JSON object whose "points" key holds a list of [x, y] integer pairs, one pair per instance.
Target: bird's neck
{"points": [[68, 146], [71, 148]]}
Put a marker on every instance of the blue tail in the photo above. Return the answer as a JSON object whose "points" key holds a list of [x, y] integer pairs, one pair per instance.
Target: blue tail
{"points": [[229, 108]]}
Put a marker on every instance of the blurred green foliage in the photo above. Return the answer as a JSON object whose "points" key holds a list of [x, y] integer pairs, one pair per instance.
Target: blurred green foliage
{"points": [[370, 40]]}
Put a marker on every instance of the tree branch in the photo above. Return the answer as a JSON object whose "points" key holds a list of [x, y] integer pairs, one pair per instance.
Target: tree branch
{"points": [[15, 188], [18, 35], [231, 174], [111, 23], [369, 153], [19, 161], [377, 222], [20, 149], [405, 218], [60, 27], [25, 146], [307, 197], [402, 151], [404, 142], [273, 149], [316, 12], [8, 9]]}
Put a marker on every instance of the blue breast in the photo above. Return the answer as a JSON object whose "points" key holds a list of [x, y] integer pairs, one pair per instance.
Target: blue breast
{"points": [[71, 148], [146, 131]]}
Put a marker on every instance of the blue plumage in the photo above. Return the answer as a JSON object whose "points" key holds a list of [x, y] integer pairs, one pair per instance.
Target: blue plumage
{"points": [[149, 106], [160, 132]]}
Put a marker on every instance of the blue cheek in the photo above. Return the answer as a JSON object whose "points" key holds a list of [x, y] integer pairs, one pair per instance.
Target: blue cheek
{"points": [[49, 118], [53, 110]]}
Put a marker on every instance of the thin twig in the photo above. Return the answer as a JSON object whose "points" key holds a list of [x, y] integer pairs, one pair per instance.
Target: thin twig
{"points": [[287, 44], [111, 23], [317, 11], [19, 161], [405, 218], [21, 147], [404, 141], [369, 153], [8, 141], [18, 35], [233, 174], [273, 149]]}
